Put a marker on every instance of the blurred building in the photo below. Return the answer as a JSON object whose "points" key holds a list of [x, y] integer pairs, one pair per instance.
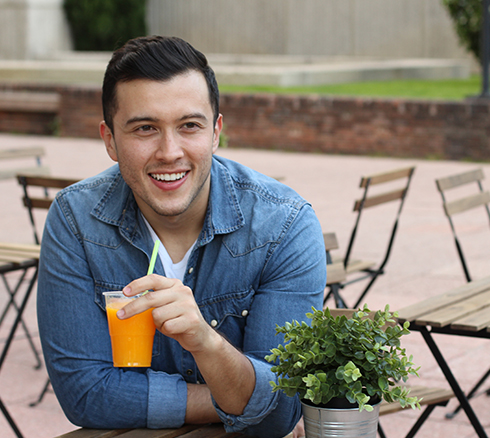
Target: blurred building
{"points": [[37, 29]]}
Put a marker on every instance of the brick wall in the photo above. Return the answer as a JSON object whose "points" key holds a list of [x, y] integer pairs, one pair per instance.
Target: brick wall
{"points": [[391, 127]]}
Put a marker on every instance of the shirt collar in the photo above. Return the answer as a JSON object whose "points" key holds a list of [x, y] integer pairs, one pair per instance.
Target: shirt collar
{"points": [[118, 207]]}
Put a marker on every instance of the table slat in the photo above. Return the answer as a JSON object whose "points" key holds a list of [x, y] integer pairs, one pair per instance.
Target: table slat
{"points": [[419, 310], [455, 311], [186, 431], [474, 322], [93, 433], [160, 433]]}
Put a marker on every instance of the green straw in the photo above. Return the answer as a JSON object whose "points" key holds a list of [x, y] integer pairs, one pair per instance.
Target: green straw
{"points": [[153, 260]]}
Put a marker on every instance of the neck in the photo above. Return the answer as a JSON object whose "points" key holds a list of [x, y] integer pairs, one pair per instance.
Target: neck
{"points": [[177, 234]]}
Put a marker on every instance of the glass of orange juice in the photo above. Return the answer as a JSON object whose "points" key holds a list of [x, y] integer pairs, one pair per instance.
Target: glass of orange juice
{"points": [[132, 338]]}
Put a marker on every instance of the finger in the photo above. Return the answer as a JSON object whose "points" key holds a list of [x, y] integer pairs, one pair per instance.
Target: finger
{"points": [[148, 282], [165, 292]]}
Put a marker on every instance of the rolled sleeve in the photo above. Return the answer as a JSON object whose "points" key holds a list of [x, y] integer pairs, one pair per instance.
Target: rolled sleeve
{"points": [[167, 400], [262, 402]]}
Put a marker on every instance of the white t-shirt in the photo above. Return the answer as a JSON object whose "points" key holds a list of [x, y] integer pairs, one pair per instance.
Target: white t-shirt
{"points": [[172, 270]]}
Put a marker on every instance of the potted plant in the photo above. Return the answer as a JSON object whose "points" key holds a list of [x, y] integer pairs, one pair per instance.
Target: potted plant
{"points": [[343, 366]]}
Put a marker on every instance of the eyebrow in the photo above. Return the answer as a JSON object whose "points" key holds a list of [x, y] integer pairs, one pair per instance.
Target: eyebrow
{"points": [[138, 119]]}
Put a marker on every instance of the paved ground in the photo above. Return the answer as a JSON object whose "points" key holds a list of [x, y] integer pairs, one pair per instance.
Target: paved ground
{"points": [[423, 262]]}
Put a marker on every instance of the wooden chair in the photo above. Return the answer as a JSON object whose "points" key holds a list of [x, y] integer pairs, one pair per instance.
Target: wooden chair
{"points": [[21, 155], [358, 270], [14, 161], [430, 396], [480, 199], [41, 200], [461, 204], [44, 186]]}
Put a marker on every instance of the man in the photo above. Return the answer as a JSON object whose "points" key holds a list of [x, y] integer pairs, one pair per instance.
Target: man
{"points": [[240, 253]]}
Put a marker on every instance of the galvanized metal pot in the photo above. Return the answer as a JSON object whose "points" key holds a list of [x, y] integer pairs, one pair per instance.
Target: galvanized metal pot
{"points": [[323, 422]]}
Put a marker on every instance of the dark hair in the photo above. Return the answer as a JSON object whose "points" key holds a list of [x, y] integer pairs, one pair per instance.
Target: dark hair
{"points": [[157, 58]]}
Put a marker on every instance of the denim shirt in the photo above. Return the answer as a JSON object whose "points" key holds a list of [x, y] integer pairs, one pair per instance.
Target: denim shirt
{"points": [[258, 261]]}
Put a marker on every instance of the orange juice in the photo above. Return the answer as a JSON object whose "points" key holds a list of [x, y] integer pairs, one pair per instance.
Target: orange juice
{"points": [[132, 338]]}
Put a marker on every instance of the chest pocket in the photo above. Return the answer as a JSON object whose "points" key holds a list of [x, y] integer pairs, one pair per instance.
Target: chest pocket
{"points": [[227, 313]]}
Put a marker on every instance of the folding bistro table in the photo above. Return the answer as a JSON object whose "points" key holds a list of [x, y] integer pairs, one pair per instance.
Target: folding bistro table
{"points": [[21, 260], [463, 311]]}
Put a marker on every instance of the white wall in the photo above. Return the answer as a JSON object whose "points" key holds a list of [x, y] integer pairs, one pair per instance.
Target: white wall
{"points": [[32, 29], [363, 28]]}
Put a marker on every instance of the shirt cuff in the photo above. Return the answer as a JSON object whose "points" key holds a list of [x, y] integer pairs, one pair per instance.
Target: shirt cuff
{"points": [[167, 400], [261, 403]]}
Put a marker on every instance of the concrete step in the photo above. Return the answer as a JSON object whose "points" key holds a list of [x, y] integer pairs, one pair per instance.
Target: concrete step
{"points": [[277, 70]]}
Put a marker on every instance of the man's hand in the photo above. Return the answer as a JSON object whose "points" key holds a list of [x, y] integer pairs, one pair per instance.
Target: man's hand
{"points": [[175, 312]]}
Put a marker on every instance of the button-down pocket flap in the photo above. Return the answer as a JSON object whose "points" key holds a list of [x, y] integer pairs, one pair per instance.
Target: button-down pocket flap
{"points": [[230, 305]]}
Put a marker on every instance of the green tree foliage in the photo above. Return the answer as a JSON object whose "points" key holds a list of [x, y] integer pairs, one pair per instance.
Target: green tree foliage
{"points": [[467, 17], [100, 25]]}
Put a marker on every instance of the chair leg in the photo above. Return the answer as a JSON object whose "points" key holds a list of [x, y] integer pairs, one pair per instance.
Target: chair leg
{"points": [[471, 394], [374, 277], [381, 432], [12, 292], [10, 420], [41, 395]]}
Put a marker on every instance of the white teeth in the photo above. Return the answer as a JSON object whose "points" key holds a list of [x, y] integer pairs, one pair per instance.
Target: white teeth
{"points": [[167, 176]]}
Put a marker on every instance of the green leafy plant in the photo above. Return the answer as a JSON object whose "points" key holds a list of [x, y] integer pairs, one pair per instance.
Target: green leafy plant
{"points": [[467, 18], [355, 358], [100, 25]]}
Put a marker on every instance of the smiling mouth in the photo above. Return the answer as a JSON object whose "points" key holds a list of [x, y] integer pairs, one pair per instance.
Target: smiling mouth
{"points": [[168, 176]]}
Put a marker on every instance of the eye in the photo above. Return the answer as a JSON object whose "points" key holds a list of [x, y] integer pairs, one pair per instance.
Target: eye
{"points": [[191, 125], [145, 128]]}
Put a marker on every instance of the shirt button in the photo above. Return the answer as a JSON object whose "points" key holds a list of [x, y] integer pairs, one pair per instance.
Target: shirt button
{"points": [[229, 422], [189, 372], [245, 313], [214, 323], [191, 270]]}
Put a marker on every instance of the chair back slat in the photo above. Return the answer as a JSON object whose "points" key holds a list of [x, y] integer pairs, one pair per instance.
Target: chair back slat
{"points": [[380, 199], [41, 203], [34, 202], [46, 181], [453, 181], [467, 203], [386, 177]]}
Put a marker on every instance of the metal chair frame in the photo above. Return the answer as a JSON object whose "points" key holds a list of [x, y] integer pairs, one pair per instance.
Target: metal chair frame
{"points": [[480, 199], [368, 270]]}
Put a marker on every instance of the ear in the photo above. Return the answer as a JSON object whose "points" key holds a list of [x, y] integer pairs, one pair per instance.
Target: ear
{"points": [[108, 137], [217, 130]]}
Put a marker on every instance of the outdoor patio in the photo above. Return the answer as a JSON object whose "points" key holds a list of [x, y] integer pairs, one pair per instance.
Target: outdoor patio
{"points": [[423, 262]]}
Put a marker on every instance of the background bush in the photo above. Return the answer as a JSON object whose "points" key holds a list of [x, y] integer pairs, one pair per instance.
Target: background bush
{"points": [[100, 25], [467, 17]]}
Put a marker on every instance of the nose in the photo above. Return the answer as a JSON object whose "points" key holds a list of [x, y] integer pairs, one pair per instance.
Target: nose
{"points": [[169, 149]]}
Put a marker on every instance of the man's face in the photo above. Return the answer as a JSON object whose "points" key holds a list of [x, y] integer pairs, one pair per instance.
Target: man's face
{"points": [[164, 139]]}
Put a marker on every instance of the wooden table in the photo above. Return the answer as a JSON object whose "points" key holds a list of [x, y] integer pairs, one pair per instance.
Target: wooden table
{"points": [[463, 311], [24, 260], [186, 431]]}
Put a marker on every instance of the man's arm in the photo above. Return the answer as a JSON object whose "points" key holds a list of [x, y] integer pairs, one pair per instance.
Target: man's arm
{"points": [[200, 408], [228, 373]]}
